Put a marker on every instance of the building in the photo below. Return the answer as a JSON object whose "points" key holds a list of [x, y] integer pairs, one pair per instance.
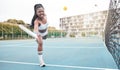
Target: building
{"points": [[85, 24]]}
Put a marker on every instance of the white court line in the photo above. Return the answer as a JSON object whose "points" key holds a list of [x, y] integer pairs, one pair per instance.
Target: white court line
{"points": [[53, 65], [16, 44], [74, 47], [12, 46]]}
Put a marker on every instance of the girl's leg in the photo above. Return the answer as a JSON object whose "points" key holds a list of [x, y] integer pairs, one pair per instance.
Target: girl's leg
{"points": [[40, 51]]}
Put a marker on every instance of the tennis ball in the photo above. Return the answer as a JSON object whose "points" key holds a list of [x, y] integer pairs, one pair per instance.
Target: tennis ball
{"points": [[65, 8]]}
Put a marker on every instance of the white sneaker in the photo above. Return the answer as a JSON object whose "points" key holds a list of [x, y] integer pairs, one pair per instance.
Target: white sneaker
{"points": [[42, 64]]}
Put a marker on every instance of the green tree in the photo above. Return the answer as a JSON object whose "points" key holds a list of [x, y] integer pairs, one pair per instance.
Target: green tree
{"points": [[14, 21], [20, 22]]}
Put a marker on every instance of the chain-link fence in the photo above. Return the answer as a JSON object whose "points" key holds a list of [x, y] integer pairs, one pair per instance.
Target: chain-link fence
{"points": [[12, 31]]}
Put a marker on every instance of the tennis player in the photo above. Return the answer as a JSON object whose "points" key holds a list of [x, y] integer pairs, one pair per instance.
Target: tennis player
{"points": [[39, 22]]}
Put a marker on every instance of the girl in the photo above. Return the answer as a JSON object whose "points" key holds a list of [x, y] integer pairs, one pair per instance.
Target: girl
{"points": [[39, 22]]}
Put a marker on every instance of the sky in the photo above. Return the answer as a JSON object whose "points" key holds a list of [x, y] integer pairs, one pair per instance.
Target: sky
{"points": [[24, 9]]}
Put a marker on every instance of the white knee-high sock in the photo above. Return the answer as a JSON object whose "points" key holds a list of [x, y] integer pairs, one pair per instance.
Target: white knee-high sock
{"points": [[40, 56]]}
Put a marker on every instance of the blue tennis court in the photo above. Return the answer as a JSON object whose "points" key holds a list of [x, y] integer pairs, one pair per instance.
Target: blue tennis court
{"points": [[59, 54]]}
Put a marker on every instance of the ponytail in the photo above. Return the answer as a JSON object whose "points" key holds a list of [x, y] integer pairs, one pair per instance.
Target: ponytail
{"points": [[33, 19]]}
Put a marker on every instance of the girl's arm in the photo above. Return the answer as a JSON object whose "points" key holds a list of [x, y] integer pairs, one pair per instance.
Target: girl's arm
{"points": [[36, 27]]}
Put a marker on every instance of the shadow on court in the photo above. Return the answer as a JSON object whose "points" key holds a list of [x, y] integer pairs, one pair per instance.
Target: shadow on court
{"points": [[59, 54]]}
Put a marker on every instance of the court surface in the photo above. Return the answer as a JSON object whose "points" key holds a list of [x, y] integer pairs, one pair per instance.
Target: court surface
{"points": [[59, 54]]}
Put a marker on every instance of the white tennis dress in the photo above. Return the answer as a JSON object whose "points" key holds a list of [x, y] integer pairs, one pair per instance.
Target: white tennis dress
{"points": [[43, 29]]}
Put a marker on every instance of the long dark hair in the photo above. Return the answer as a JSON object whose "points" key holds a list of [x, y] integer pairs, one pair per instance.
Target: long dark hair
{"points": [[35, 15]]}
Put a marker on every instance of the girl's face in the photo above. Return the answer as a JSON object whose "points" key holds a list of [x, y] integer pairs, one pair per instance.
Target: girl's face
{"points": [[40, 12]]}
